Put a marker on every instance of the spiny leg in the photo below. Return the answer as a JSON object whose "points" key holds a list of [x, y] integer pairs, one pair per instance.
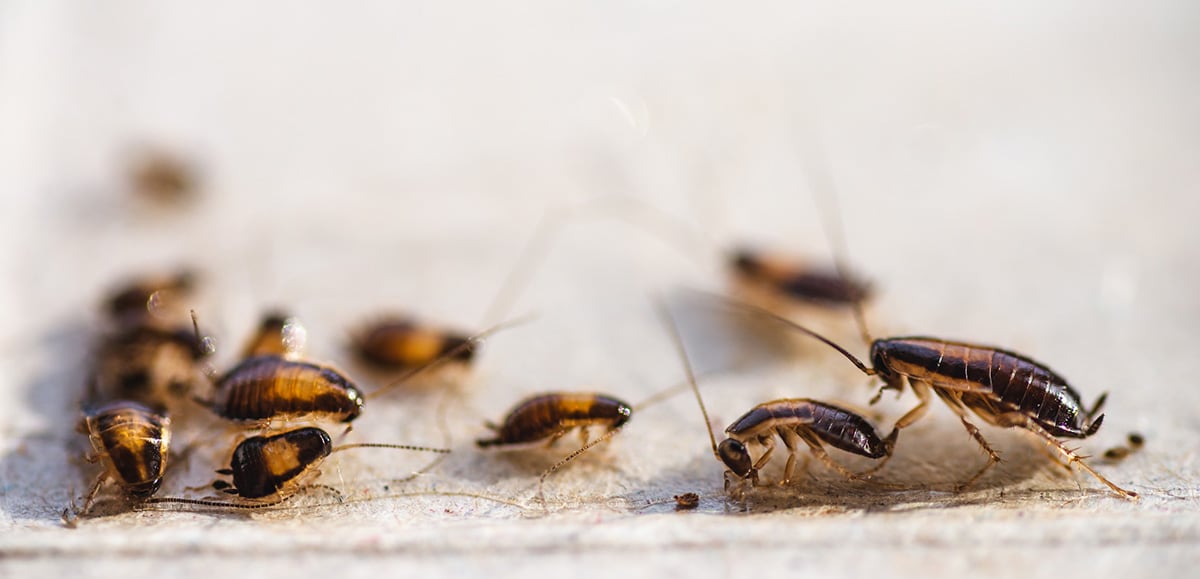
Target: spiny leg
{"points": [[954, 401], [569, 458], [1073, 458], [71, 514]]}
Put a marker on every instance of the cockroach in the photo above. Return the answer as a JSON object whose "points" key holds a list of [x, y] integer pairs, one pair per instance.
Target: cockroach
{"points": [[269, 387], [545, 418], [399, 343], [278, 334], [131, 441], [780, 278], [267, 470], [1001, 387], [147, 364], [144, 298], [794, 280], [793, 420], [162, 176]]}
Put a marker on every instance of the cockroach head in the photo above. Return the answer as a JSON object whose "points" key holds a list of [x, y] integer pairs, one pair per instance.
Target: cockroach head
{"points": [[735, 456]]}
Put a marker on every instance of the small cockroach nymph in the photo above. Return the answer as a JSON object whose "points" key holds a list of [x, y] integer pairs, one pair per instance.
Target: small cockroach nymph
{"points": [[545, 418], [793, 420], [774, 278], [270, 469], [144, 299], [396, 342], [162, 176], [1001, 387], [148, 364], [132, 442], [792, 279], [269, 387], [278, 334]]}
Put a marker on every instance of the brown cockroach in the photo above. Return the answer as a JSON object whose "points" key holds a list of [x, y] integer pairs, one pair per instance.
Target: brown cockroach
{"points": [[152, 365], [784, 279], [396, 342], [131, 441], [264, 388], [545, 418], [278, 334], [162, 176], [267, 470], [793, 420], [1001, 387], [144, 298]]}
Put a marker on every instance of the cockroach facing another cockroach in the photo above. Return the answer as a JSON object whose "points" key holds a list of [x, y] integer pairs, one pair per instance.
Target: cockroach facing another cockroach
{"points": [[1001, 387], [793, 420]]}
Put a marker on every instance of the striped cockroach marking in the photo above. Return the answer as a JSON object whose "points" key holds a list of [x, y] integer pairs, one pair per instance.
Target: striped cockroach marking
{"points": [[550, 416], [1001, 387], [793, 420], [131, 441]]}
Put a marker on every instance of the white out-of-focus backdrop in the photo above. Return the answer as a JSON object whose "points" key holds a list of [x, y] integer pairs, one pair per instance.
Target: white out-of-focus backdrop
{"points": [[1022, 173]]}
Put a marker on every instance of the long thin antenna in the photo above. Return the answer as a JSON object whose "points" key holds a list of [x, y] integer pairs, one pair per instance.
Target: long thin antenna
{"points": [[569, 458], [732, 303], [672, 231], [216, 504], [673, 329], [450, 354], [392, 446], [825, 194]]}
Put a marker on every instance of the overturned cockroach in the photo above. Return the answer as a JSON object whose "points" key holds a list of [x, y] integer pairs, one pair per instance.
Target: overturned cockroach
{"points": [[270, 469], [131, 441], [793, 420], [1001, 387]]}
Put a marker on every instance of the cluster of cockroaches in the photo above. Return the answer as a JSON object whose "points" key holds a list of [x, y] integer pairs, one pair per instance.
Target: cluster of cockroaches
{"points": [[148, 361], [146, 366]]}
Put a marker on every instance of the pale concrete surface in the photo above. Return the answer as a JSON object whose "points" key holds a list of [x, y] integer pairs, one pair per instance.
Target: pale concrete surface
{"points": [[1018, 175]]}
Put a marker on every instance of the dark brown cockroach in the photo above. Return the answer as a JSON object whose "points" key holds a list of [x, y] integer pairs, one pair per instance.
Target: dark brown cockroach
{"points": [[144, 299], [270, 387], [270, 469], [131, 441], [400, 343], [148, 364], [545, 418], [1001, 387], [793, 420]]}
